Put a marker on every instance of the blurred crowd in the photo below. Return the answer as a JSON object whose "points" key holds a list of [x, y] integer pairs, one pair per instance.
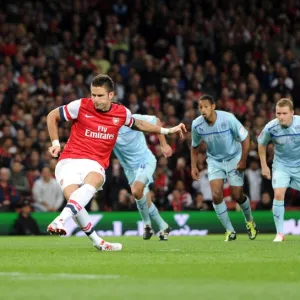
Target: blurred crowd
{"points": [[162, 55]]}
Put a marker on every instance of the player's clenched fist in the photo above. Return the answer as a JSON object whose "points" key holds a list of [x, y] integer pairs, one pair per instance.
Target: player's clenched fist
{"points": [[241, 166], [54, 150], [166, 150], [266, 172], [195, 174]]}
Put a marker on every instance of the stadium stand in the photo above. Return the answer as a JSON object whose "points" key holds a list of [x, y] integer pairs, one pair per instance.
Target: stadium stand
{"points": [[162, 56]]}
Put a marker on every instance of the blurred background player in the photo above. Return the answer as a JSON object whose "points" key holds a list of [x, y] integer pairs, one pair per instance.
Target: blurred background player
{"points": [[284, 133], [139, 165], [228, 145], [81, 167]]}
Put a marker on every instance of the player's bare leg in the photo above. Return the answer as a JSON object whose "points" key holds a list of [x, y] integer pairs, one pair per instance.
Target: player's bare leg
{"points": [[238, 195], [278, 213], [220, 207]]}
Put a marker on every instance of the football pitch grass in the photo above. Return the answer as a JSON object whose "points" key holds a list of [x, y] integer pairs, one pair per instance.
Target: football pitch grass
{"points": [[51, 267]]}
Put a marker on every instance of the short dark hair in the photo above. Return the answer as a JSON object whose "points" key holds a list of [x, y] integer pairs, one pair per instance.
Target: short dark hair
{"points": [[208, 98], [103, 81]]}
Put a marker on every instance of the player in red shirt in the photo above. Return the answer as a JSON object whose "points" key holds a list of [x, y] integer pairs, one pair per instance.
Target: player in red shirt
{"points": [[81, 167]]}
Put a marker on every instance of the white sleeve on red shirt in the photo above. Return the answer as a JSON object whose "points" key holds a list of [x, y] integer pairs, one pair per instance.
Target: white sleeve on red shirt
{"points": [[129, 118], [70, 111]]}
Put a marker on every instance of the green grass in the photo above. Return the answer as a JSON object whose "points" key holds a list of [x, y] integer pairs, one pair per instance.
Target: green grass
{"points": [[182, 268]]}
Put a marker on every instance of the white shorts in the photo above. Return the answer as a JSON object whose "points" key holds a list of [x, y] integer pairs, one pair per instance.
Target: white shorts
{"points": [[73, 171]]}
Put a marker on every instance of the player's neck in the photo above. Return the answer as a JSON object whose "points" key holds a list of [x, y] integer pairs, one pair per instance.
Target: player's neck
{"points": [[288, 125], [290, 122], [106, 109], [211, 121]]}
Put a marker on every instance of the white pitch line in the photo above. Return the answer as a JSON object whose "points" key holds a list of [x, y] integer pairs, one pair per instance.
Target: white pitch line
{"points": [[167, 250], [55, 276]]}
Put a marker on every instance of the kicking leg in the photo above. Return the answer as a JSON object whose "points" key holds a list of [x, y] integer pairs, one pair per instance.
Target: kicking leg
{"points": [[77, 197]]}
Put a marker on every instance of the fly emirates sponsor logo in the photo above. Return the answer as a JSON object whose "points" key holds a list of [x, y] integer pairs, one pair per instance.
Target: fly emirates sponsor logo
{"points": [[100, 134]]}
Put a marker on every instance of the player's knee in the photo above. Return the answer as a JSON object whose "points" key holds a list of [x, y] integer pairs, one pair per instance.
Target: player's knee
{"points": [[137, 192], [95, 179], [238, 197], [69, 190], [278, 195], [217, 196]]}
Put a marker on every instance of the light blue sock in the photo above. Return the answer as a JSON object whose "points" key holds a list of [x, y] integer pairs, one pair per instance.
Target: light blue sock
{"points": [[278, 215], [246, 208], [155, 216], [143, 209], [221, 211]]}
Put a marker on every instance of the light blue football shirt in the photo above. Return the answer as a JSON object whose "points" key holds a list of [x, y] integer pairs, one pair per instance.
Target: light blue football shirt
{"points": [[286, 142], [131, 148], [223, 138]]}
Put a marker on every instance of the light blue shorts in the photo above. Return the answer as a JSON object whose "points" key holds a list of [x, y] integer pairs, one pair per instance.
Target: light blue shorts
{"points": [[225, 170], [144, 173], [286, 177]]}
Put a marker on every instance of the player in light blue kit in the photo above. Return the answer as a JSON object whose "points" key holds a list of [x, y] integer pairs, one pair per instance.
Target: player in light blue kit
{"points": [[228, 145], [139, 165], [284, 133]]}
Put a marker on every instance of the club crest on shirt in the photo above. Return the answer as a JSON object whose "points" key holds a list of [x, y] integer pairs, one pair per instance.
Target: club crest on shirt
{"points": [[223, 125], [116, 120], [61, 182]]}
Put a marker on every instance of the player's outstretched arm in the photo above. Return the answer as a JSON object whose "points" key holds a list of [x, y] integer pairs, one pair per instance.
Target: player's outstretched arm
{"points": [[52, 123], [245, 151], [147, 127], [265, 170], [165, 147]]}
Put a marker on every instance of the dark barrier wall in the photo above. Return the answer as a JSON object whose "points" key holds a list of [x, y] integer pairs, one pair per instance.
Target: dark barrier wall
{"points": [[184, 223]]}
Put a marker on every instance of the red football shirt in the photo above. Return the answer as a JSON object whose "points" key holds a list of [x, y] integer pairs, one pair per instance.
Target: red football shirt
{"points": [[93, 133]]}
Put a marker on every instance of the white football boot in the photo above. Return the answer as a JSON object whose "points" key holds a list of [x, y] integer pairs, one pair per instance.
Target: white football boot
{"points": [[279, 237], [106, 246], [57, 227]]}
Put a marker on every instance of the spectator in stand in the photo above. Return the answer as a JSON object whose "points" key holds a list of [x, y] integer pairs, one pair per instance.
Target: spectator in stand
{"points": [[115, 182], [253, 180], [202, 187], [181, 199], [175, 200], [182, 173], [47, 194], [19, 179], [200, 204], [8, 194], [162, 60], [125, 202], [265, 203], [25, 224]]}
